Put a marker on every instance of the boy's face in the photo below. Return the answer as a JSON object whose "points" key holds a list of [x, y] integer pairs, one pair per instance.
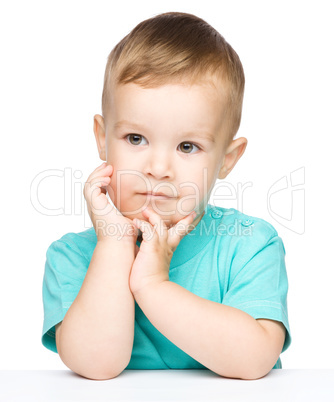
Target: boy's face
{"points": [[167, 140]]}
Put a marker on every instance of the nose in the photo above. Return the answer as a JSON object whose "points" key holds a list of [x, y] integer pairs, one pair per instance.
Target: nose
{"points": [[159, 166]]}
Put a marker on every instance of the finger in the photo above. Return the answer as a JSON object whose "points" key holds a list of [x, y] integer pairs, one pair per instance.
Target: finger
{"points": [[97, 182], [178, 231], [95, 187], [103, 170], [98, 169], [103, 164], [155, 220], [146, 229], [101, 180], [105, 185]]}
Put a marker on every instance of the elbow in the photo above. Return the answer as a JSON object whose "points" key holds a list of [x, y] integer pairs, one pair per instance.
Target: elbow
{"points": [[256, 367], [244, 374], [93, 367], [251, 367], [96, 373], [99, 375], [256, 356], [254, 375], [93, 370]]}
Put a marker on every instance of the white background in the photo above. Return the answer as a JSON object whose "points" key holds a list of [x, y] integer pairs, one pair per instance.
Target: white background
{"points": [[53, 56]]}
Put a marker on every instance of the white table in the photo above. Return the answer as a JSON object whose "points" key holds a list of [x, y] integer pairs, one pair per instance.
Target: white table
{"points": [[167, 385]]}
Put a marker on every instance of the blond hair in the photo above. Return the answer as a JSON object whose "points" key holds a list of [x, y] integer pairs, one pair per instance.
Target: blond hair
{"points": [[175, 47]]}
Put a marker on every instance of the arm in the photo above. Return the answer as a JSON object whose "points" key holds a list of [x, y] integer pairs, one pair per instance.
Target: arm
{"points": [[95, 338], [224, 339]]}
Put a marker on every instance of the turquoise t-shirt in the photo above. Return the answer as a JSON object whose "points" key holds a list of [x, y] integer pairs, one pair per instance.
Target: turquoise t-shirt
{"points": [[229, 258]]}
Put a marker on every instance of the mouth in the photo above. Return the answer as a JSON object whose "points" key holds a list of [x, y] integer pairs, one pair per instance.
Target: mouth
{"points": [[157, 196]]}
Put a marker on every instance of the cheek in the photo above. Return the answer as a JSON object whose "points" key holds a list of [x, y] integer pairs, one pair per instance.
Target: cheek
{"points": [[122, 185], [200, 182], [195, 192], [124, 188]]}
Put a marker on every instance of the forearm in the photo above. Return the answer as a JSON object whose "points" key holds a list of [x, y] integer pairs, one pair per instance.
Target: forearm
{"points": [[224, 339], [96, 335]]}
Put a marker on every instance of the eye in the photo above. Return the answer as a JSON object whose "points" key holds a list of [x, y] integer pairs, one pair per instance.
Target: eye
{"points": [[188, 147], [134, 139]]}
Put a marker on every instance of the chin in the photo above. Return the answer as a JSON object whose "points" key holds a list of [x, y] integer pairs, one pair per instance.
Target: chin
{"points": [[169, 221]]}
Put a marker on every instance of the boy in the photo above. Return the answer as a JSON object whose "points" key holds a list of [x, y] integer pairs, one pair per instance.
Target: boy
{"points": [[166, 280]]}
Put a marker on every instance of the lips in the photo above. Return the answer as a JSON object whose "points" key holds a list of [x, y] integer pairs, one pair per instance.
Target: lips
{"points": [[152, 194]]}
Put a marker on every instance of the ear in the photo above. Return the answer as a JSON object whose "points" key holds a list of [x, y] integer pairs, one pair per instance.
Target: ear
{"points": [[233, 153], [100, 136]]}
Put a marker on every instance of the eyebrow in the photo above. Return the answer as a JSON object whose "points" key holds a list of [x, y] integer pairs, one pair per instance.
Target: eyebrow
{"points": [[198, 133]]}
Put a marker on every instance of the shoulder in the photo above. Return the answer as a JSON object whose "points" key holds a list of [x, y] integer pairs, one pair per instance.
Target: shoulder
{"points": [[81, 243], [237, 230], [235, 221]]}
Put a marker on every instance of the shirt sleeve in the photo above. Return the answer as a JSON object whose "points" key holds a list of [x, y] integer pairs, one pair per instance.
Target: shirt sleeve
{"points": [[258, 282], [65, 270]]}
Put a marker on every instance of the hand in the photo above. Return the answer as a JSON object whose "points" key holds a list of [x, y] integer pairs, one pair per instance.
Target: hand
{"points": [[109, 223], [153, 258]]}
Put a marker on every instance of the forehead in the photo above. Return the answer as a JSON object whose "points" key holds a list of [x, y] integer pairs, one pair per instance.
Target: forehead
{"points": [[176, 105]]}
